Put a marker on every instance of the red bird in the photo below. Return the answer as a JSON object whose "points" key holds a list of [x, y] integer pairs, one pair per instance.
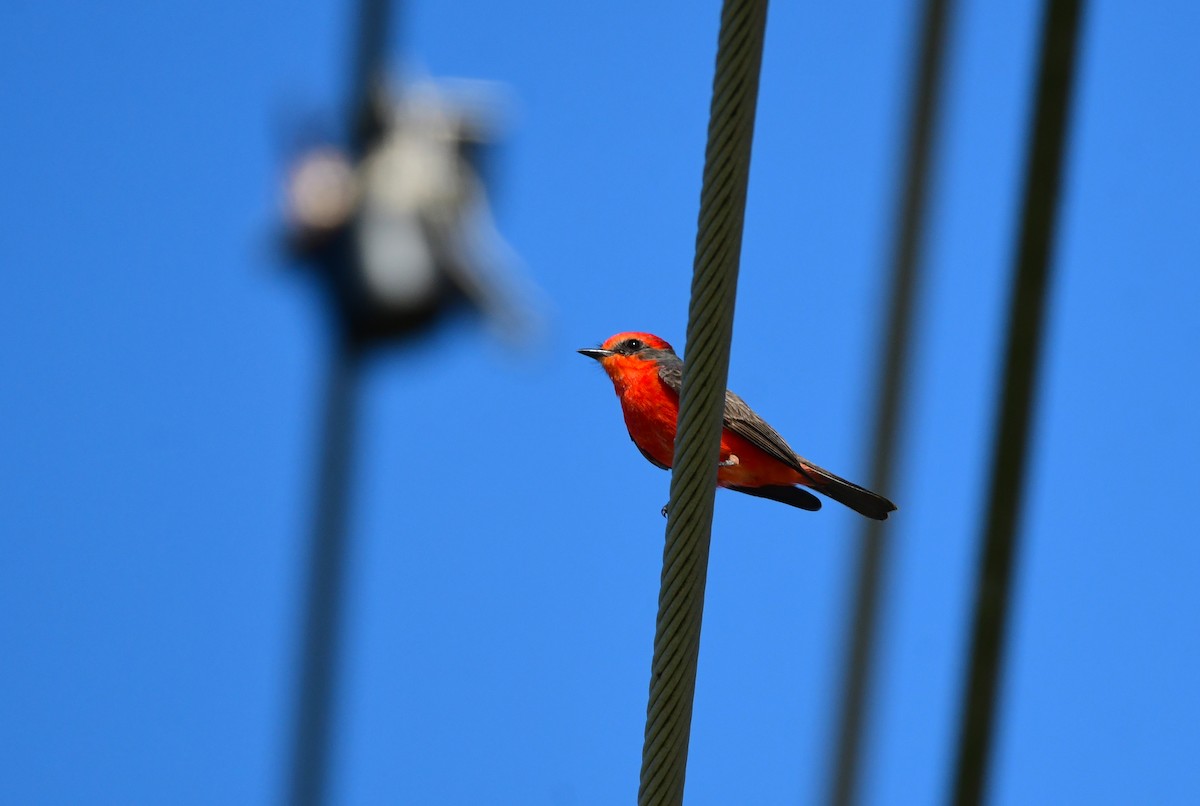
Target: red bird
{"points": [[754, 459]]}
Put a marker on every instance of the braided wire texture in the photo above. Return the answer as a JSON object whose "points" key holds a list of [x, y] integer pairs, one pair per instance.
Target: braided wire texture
{"points": [[706, 368]]}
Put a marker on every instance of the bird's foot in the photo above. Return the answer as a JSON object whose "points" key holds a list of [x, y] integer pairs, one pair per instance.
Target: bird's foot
{"points": [[732, 461]]}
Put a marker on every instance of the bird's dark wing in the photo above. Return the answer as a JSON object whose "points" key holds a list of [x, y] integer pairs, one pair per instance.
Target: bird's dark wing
{"points": [[670, 370], [794, 496], [739, 417], [741, 420]]}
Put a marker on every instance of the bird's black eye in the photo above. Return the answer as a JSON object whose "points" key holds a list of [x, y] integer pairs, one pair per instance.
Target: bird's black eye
{"points": [[633, 345]]}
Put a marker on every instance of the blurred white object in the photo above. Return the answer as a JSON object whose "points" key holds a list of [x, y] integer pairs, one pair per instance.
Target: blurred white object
{"points": [[416, 208]]}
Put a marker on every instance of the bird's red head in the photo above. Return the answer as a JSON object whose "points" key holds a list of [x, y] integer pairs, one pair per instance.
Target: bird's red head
{"points": [[630, 343], [638, 346], [629, 358], [627, 354]]}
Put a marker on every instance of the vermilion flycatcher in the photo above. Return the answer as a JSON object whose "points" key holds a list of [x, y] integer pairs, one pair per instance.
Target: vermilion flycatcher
{"points": [[754, 459]]}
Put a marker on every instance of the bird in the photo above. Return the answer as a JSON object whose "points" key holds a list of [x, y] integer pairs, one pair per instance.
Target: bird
{"points": [[647, 375]]}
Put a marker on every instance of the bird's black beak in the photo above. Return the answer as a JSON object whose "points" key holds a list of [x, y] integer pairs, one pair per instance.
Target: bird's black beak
{"points": [[596, 353]]}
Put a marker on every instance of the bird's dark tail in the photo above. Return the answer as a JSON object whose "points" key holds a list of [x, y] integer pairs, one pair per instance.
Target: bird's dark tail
{"points": [[859, 499]]}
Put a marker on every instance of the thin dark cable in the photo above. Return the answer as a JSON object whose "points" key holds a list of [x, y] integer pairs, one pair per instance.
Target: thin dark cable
{"points": [[326, 579], [308, 778], [924, 111], [370, 49], [1043, 180]]}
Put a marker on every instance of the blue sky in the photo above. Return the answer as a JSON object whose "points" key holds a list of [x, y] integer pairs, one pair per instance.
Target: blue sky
{"points": [[162, 369]]}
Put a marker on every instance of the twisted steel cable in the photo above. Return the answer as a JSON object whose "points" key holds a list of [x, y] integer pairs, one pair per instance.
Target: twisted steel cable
{"points": [[702, 398]]}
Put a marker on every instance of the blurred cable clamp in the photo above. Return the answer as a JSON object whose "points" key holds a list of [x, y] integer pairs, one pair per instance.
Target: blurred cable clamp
{"points": [[412, 215]]}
